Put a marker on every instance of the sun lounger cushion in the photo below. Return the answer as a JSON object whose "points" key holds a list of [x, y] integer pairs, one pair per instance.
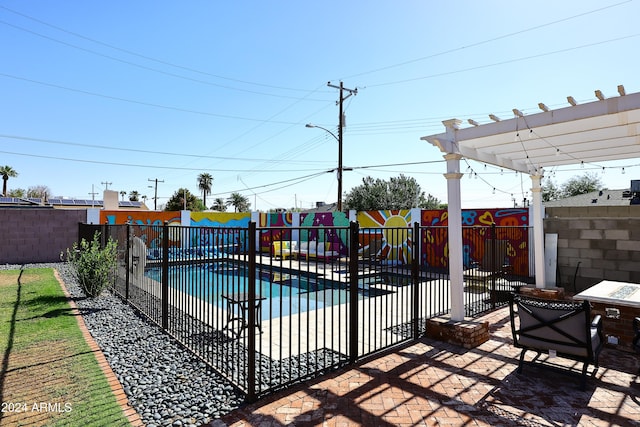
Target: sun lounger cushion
{"points": [[314, 249]]}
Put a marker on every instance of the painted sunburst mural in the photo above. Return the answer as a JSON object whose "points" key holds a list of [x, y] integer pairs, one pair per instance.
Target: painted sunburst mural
{"points": [[396, 236]]}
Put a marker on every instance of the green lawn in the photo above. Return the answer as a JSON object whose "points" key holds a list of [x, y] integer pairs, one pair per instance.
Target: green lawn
{"points": [[49, 376]]}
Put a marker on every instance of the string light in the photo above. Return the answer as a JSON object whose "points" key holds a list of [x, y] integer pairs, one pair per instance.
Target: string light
{"points": [[551, 173], [494, 190]]}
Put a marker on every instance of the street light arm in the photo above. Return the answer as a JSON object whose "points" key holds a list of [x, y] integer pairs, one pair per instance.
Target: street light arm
{"points": [[310, 125], [339, 140]]}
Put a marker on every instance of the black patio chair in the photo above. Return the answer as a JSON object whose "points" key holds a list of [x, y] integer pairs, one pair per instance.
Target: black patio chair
{"points": [[564, 327]]}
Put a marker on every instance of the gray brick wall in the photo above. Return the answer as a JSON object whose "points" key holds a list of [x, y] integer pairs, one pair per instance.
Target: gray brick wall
{"points": [[604, 247], [37, 235]]}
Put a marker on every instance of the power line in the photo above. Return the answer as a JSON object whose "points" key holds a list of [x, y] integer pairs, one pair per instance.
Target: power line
{"points": [[297, 180], [269, 120], [146, 57], [504, 36], [509, 61], [144, 67], [136, 150], [133, 101], [101, 162]]}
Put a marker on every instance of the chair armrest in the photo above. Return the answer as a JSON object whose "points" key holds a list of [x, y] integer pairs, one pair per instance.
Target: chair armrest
{"points": [[597, 322]]}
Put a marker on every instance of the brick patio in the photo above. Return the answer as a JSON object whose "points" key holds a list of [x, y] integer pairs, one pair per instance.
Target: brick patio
{"points": [[430, 383]]}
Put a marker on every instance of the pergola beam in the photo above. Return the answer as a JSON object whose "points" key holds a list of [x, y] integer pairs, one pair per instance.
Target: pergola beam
{"points": [[603, 130]]}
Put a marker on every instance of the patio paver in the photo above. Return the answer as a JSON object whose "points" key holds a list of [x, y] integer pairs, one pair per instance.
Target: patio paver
{"points": [[430, 383]]}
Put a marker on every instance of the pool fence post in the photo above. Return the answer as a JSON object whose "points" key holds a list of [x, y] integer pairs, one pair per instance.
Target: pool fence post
{"points": [[415, 278], [353, 291], [103, 235], [251, 330], [493, 257], [165, 276], [129, 261]]}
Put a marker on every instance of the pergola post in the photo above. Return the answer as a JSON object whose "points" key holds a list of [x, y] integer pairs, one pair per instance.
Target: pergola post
{"points": [[591, 132], [538, 230], [454, 213]]}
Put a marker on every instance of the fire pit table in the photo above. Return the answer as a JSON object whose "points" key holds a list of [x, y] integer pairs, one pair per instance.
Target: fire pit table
{"points": [[618, 303]]}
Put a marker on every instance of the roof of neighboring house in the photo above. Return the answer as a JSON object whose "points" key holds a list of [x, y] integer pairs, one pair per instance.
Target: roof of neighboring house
{"points": [[322, 207], [64, 203], [595, 198]]}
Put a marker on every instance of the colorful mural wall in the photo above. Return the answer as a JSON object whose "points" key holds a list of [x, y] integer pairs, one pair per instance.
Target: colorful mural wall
{"points": [[385, 234], [392, 245], [337, 237], [280, 222], [227, 230], [282, 225], [511, 228], [146, 224], [220, 219], [139, 217]]}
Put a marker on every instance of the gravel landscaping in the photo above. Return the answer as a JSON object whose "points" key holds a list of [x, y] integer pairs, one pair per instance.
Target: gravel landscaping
{"points": [[166, 384]]}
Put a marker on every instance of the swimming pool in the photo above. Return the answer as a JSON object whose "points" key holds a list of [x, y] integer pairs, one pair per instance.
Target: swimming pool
{"points": [[285, 293]]}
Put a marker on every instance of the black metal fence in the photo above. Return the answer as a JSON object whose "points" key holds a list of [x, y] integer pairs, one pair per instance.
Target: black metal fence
{"points": [[274, 306]]}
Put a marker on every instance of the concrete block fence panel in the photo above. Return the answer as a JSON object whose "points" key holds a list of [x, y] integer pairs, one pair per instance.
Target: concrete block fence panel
{"points": [[37, 235]]}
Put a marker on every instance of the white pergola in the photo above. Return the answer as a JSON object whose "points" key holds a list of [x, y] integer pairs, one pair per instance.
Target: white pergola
{"points": [[603, 130]]}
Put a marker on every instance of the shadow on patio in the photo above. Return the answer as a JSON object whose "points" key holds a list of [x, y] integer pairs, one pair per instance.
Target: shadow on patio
{"points": [[430, 383]]}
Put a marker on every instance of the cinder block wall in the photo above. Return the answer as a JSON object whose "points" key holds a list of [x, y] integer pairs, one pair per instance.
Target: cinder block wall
{"points": [[599, 247], [37, 235]]}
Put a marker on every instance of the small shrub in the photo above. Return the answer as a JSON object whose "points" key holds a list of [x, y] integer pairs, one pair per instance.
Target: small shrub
{"points": [[93, 266]]}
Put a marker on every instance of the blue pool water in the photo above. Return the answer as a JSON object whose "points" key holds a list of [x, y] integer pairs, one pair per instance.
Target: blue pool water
{"points": [[284, 293]]}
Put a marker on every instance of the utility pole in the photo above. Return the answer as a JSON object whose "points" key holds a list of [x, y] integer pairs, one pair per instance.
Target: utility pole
{"points": [[106, 184], [93, 196], [155, 197], [340, 126]]}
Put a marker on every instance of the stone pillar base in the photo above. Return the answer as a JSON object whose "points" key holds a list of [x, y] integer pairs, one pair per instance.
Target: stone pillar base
{"points": [[466, 333]]}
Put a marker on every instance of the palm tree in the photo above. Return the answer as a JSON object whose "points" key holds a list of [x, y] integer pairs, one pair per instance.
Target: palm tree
{"points": [[6, 172], [134, 196], [239, 202], [205, 181], [219, 205], [123, 193]]}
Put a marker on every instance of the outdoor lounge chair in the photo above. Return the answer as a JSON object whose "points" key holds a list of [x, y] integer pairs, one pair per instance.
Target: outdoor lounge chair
{"points": [[315, 249], [493, 265], [554, 326], [283, 249], [493, 274], [370, 252]]}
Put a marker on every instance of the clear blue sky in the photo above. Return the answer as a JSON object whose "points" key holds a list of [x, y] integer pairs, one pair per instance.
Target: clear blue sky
{"points": [[122, 92]]}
